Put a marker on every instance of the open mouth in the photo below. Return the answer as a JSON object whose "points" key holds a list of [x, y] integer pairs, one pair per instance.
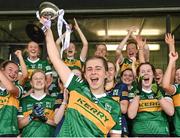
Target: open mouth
{"points": [[94, 80], [70, 51], [146, 80]]}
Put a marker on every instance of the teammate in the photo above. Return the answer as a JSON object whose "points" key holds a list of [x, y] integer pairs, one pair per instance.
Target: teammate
{"points": [[33, 62], [70, 59], [119, 92], [9, 92], [148, 105], [174, 90], [36, 115], [90, 112], [101, 51]]}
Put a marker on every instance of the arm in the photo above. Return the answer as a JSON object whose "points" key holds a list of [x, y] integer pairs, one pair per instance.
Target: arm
{"points": [[59, 112], [23, 121], [114, 135], [61, 68], [123, 42], [169, 39], [124, 106], [167, 106], [10, 87], [22, 78], [84, 41], [141, 44], [133, 107], [166, 83], [134, 66]]}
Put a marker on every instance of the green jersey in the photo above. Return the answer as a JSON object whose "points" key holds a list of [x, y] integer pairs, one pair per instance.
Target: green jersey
{"points": [[127, 63], [73, 63], [150, 118], [36, 128], [88, 116], [176, 117], [9, 106], [33, 65]]}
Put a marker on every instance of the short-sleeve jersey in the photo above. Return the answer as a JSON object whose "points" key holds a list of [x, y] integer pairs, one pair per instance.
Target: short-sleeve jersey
{"points": [[176, 117], [150, 118], [36, 128], [127, 63], [119, 92], [88, 116], [33, 65], [9, 106], [73, 63]]}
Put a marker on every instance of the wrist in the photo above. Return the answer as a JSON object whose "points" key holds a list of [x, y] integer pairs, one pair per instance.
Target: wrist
{"points": [[64, 103]]}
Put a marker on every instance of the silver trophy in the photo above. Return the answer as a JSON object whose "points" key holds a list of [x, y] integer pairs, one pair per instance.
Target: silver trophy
{"points": [[35, 31], [48, 10]]}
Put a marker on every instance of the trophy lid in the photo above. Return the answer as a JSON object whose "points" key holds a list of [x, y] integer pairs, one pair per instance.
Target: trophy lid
{"points": [[48, 9], [35, 33]]}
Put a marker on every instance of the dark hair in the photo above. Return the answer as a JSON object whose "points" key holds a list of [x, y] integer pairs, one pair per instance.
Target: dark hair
{"points": [[146, 63], [6, 62], [104, 44], [126, 70], [96, 57]]}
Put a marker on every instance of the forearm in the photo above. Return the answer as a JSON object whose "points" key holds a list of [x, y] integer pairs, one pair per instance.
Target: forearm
{"points": [[167, 106], [61, 68], [59, 113], [133, 107]]}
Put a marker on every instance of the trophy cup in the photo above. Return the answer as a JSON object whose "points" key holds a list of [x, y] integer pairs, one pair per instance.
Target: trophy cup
{"points": [[35, 31]]}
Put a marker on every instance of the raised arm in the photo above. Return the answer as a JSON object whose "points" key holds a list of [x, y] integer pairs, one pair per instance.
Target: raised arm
{"points": [[84, 50], [61, 68], [22, 78], [10, 87], [169, 39], [123, 42], [166, 83]]}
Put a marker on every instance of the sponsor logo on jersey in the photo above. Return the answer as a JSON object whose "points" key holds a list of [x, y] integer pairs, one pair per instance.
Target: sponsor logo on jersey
{"points": [[149, 105], [90, 110]]}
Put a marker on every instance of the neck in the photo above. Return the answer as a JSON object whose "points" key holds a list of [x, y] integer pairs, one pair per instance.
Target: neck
{"points": [[72, 57], [98, 91], [33, 58], [38, 93], [109, 85], [146, 88]]}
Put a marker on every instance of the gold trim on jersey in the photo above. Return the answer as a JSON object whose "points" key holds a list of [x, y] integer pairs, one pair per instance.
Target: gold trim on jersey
{"points": [[9, 100], [71, 63], [116, 98], [100, 117], [176, 100], [150, 105]]}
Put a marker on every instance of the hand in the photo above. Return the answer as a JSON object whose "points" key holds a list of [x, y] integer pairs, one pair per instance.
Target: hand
{"points": [[38, 111], [140, 42], [157, 93], [169, 39], [132, 29], [173, 56], [18, 53]]}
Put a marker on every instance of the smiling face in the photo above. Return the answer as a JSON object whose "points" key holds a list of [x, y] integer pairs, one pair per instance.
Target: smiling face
{"points": [[146, 71], [95, 74], [159, 76], [11, 71], [33, 50], [131, 50], [101, 50], [127, 77], [71, 50], [177, 76], [38, 81]]}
